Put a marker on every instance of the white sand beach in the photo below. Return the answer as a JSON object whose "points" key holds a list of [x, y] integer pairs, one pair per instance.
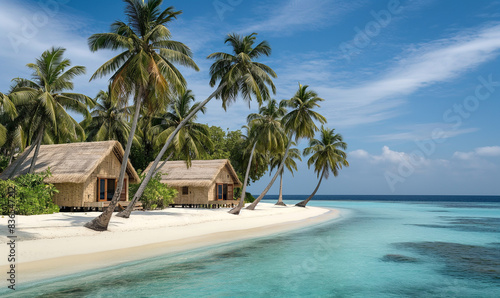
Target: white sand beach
{"points": [[58, 244]]}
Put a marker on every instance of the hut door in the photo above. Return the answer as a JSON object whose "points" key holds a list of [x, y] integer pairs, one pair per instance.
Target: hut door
{"points": [[224, 191], [229, 192], [105, 189]]}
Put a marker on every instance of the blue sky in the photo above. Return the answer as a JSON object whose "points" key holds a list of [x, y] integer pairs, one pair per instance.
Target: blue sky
{"points": [[413, 86]]}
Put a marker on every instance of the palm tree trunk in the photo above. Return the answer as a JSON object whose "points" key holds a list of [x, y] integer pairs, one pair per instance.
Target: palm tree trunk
{"points": [[236, 210], [280, 197], [37, 150], [146, 180], [254, 204], [125, 213], [101, 222], [163, 163], [304, 203], [22, 158], [11, 155]]}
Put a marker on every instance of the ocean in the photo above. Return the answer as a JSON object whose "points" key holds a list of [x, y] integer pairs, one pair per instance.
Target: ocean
{"points": [[406, 247]]}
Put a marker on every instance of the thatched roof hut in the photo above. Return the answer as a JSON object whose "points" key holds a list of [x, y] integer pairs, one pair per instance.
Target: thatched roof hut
{"points": [[205, 182], [84, 173]]}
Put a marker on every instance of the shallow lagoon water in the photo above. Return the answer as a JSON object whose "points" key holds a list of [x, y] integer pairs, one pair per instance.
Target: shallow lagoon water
{"points": [[377, 249]]}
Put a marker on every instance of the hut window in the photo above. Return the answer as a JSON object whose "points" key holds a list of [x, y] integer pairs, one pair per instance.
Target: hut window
{"points": [[185, 190], [224, 191], [106, 189]]}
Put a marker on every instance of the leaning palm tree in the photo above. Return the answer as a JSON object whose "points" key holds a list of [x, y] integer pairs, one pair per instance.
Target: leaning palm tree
{"points": [[234, 74], [328, 156], [290, 164], [42, 103], [145, 69], [299, 123], [275, 160], [192, 141], [109, 120], [267, 135]]}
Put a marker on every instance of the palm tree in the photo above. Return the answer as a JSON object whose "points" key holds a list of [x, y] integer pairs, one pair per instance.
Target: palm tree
{"points": [[327, 156], [190, 142], [275, 161], [235, 74], [267, 134], [109, 120], [290, 164], [299, 123], [8, 113], [43, 106], [144, 70], [193, 139]]}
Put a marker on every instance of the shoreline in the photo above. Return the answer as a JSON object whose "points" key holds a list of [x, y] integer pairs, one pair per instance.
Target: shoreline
{"points": [[54, 252]]}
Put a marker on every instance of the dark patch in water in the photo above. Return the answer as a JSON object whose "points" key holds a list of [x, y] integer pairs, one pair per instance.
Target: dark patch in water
{"points": [[229, 254], [467, 224], [399, 258], [464, 261], [440, 211], [471, 205], [74, 292]]}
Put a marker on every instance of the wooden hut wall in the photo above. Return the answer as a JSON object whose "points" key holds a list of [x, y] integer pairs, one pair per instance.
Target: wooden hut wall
{"points": [[225, 177], [69, 195], [109, 168], [196, 195]]}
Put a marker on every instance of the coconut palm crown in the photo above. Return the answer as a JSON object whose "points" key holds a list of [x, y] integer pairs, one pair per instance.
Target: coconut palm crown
{"points": [[43, 101], [238, 73], [109, 121], [328, 156], [193, 140], [300, 121], [148, 55]]}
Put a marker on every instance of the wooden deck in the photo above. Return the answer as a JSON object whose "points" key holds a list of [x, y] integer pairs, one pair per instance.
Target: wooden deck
{"points": [[101, 205], [209, 205]]}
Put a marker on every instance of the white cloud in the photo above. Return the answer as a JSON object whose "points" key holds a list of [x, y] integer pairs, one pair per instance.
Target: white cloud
{"points": [[28, 30], [390, 157], [425, 131], [488, 151], [464, 155], [358, 100], [285, 18], [478, 153], [400, 172]]}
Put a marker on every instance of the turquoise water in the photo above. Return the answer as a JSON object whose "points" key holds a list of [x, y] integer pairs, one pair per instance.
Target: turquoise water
{"points": [[377, 249]]}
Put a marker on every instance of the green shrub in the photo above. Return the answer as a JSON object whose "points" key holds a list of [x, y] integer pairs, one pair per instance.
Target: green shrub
{"points": [[156, 195], [32, 197], [4, 162], [249, 198]]}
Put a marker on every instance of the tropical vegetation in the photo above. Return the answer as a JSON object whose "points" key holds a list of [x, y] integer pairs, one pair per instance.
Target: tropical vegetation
{"points": [[32, 195], [157, 195], [42, 105], [145, 70], [299, 123], [150, 110], [327, 157]]}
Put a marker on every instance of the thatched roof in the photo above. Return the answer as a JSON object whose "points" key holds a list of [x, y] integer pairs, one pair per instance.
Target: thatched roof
{"points": [[202, 173], [73, 162]]}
